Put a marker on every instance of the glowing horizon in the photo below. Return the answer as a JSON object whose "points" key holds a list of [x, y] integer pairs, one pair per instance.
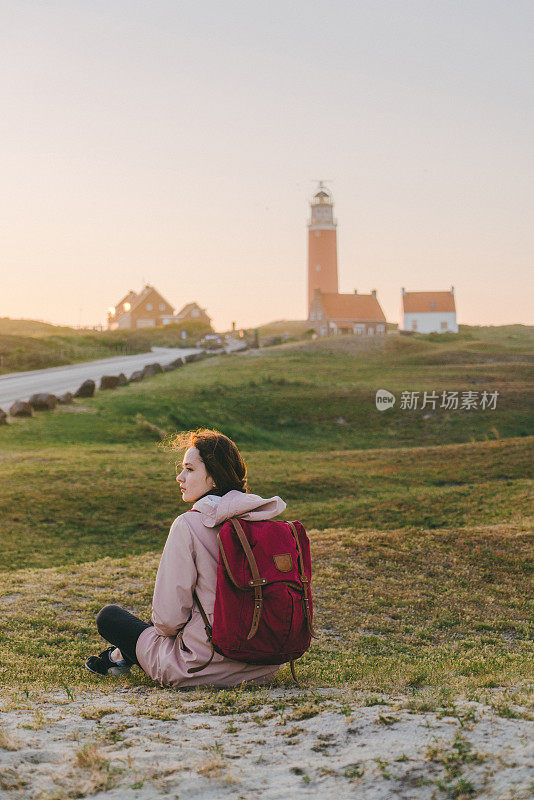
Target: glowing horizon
{"points": [[179, 146]]}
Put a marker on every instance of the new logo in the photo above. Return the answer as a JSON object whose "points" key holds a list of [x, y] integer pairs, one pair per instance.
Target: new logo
{"points": [[384, 399]]}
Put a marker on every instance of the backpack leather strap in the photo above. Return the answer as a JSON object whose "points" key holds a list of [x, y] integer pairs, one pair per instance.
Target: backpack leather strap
{"points": [[207, 628], [227, 565], [257, 581], [303, 578]]}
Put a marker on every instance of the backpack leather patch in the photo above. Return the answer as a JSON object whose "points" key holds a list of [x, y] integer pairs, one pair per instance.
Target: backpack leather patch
{"points": [[283, 562]]}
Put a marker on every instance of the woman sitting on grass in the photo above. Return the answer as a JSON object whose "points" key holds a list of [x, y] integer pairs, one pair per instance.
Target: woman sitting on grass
{"points": [[213, 479]]}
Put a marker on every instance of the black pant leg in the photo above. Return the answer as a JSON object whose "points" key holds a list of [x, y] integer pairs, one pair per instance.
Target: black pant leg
{"points": [[122, 629]]}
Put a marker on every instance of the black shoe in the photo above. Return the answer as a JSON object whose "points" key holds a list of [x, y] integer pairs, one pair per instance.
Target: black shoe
{"points": [[103, 665]]}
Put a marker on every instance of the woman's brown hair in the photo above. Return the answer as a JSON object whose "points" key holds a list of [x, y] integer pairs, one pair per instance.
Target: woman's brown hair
{"points": [[220, 455]]}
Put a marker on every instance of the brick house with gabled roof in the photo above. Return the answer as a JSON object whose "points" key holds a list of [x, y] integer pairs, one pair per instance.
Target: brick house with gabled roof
{"points": [[193, 312], [333, 313], [147, 309], [127, 299], [429, 312]]}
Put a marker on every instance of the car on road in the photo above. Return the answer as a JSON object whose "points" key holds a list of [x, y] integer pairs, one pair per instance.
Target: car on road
{"points": [[211, 341]]}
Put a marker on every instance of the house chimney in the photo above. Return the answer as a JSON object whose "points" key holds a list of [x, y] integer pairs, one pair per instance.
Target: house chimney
{"points": [[452, 289], [355, 291], [403, 290], [373, 292]]}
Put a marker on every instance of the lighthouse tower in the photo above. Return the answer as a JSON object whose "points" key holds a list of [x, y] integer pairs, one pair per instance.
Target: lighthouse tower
{"points": [[322, 245]]}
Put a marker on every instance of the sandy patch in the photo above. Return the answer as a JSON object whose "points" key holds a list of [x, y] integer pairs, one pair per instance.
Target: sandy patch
{"points": [[144, 743], [75, 410]]}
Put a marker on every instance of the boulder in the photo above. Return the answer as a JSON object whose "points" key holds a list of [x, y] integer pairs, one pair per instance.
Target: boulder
{"points": [[65, 399], [193, 357], [136, 376], [3, 417], [168, 368], [123, 380], [21, 409], [43, 401], [178, 362], [109, 382], [87, 389], [152, 369]]}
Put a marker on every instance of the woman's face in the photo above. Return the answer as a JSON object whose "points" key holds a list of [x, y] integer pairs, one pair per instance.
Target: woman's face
{"points": [[194, 479]]}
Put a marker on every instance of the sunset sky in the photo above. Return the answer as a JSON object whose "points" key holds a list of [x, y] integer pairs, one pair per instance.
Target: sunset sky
{"points": [[178, 144]]}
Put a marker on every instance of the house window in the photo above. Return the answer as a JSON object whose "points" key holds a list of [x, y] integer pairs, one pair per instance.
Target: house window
{"points": [[195, 312], [432, 304], [149, 306], [162, 306], [317, 267], [444, 326], [312, 314], [414, 325], [380, 329]]}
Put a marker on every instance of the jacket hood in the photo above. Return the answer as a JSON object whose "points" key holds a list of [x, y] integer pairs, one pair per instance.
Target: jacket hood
{"points": [[216, 510]]}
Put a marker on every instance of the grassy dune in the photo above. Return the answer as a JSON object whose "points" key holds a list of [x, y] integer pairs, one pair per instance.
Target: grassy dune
{"points": [[28, 344], [313, 396], [63, 506], [419, 520], [395, 610]]}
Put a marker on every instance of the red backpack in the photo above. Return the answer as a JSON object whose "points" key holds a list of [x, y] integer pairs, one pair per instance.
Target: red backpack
{"points": [[263, 606]]}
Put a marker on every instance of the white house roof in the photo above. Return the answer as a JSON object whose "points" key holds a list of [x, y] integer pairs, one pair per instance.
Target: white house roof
{"points": [[427, 302]]}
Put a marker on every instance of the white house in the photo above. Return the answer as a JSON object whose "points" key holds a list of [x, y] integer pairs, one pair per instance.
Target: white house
{"points": [[429, 312]]}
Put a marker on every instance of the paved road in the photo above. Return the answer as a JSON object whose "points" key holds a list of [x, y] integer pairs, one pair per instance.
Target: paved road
{"points": [[58, 380]]}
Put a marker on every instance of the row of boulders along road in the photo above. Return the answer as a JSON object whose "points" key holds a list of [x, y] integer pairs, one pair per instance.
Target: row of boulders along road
{"points": [[44, 401]]}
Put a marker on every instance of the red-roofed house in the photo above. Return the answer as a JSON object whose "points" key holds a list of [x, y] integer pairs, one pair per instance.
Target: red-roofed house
{"points": [[429, 312], [332, 313]]}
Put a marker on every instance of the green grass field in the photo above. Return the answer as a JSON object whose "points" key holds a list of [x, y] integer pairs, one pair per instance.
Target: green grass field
{"points": [[420, 520]]}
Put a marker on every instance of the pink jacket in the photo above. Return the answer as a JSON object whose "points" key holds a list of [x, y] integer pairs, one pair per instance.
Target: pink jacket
{"points": [[178, 641]]}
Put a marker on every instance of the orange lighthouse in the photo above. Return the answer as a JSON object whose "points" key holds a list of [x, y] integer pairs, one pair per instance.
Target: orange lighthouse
{"points": [[322, 245]]}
